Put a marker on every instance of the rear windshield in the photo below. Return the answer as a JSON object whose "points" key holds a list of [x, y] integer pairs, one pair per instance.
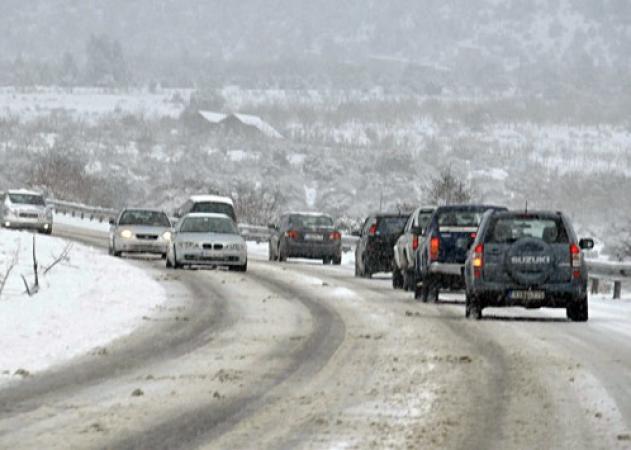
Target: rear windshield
{"points": [[27, 199], [214, 207], [506, 230], [305, 221], [460, 218], [391, 225], [208, 225], [147, 218]]}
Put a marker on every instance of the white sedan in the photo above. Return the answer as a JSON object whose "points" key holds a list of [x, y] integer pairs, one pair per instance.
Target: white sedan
{"points": [[205, 239]]}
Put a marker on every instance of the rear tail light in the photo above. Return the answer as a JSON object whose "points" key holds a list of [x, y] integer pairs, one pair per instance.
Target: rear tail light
{"points": [[575, 260], [434, 248], [335, 236], [372, 231], [292, 234], [415, 242], [478, 260]]}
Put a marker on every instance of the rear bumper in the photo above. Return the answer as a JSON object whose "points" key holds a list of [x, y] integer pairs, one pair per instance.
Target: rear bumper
{"points": [[446, 269], [555, 295], [314, 250]]}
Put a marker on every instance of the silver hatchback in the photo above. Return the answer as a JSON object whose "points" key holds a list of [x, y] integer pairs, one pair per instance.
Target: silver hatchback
{"points": [[207, 239], [140, 231]]}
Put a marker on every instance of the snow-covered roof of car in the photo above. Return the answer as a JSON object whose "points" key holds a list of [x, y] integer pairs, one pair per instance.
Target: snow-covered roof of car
{"points": [[307, 213], [208, 215], [23, 191], [211, 198]]}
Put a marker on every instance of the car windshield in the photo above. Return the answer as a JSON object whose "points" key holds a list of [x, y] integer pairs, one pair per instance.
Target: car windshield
{"points": [[27, 199], [305, 221], [507, 230], [214, 208], [147, 218], [459, 218], [391, 225], [208, 225]]}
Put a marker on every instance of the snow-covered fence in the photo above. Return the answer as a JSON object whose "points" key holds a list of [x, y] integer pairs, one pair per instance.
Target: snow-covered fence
{"points": [[82, 211], [609, 271]]}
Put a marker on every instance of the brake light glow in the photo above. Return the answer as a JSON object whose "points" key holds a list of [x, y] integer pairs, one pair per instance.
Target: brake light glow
{"points": [[478, 260], [434, 248], [372, 231], [335, 236], [575, 260], [292, 234], [415, 242]]}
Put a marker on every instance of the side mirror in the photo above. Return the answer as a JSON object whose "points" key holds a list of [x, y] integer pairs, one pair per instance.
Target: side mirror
{"points": [[586, 244], [271, 226], [112, 221]]}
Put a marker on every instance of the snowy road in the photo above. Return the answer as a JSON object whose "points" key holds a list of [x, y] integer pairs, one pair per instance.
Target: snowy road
{"points": [[300, 355]]}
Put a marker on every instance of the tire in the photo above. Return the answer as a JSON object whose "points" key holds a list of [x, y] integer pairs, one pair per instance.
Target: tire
{"points": [[242, 268], [337, 261], [270, 253], [473, 309], [114, 252], [428, 290], [326, 261], [397, 279], [367, 273], [168, 264], [357, 271], [163, 256], [577, 310], [282, 256], [409, 281], [110, 251]]}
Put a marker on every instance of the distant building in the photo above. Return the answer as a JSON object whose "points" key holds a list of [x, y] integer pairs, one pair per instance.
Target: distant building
{"points": [[233, 124]]}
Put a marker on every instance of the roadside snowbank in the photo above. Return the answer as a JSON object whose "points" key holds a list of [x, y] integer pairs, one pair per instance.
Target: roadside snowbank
{"points": [[84, 302], [77, 222]]}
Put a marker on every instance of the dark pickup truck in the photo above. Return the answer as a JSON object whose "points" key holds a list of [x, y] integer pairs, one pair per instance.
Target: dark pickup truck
{"points": [[440, 260]]}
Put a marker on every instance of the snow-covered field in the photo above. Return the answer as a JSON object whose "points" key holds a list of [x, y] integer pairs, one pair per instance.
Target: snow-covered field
{"points": [[84, 302]]}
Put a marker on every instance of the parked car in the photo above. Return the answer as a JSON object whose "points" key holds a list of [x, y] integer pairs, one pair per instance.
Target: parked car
{"points": [[375, 248], [140, 231], [207, 239], [405, 248], [23, 209], [305, 235], [207, 204], [440, 259], [529, 259]]}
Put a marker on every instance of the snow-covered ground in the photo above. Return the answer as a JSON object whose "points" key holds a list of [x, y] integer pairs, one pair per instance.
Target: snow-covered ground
{"points": [[84, 302]]}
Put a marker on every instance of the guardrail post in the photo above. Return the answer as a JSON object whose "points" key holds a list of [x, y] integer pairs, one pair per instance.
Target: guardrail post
{"points": [[617, 289], [595, 286]]}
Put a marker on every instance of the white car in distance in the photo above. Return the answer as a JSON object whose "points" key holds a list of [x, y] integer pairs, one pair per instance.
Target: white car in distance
{"points": [[207, 239], [23, 209]]}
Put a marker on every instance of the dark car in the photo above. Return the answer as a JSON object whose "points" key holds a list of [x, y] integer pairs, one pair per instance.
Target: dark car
{"points": [[375, 248], [529, 259], [305, 235], [440, 259]]}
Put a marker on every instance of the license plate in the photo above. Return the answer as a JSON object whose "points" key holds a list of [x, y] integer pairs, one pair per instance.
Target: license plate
{"points": [[528, 295], [314, 237]]}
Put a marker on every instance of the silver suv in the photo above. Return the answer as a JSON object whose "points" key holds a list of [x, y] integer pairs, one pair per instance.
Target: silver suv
{"points": [[26, 210], [403, 275]]}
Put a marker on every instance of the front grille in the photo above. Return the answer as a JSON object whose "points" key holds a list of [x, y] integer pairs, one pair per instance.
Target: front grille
{"points": [[147, 237], [218, 246], [207, 246], [28, 215], [211, 259]]}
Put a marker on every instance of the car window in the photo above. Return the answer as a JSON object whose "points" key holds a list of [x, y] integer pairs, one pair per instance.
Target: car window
{"points": [[424, 218], [147, 218], [507, 230], [459, 218], [213, 207], [27, 199], [308, 221], [391, 225], [208, 225]]}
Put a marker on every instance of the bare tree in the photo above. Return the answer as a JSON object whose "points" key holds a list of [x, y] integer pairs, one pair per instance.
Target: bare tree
{"points": [[257, 204], [448, 188], [12, 263]]}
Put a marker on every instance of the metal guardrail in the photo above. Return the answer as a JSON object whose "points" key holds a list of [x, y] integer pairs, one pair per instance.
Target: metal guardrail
{"points": [[82, 211], [608, 271]]}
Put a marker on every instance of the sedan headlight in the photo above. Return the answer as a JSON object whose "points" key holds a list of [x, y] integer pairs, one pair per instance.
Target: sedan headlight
{"points": [[126, 234], [187, 244], [234, 246], [167, 236]]}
